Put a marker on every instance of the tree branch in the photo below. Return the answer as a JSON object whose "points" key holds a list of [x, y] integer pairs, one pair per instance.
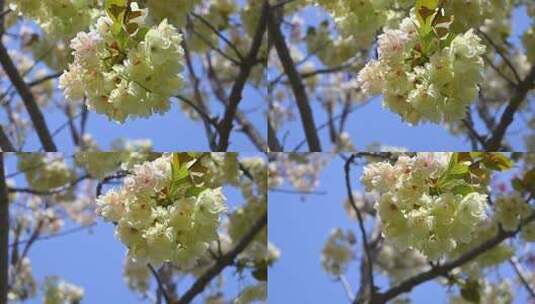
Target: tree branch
{"points": [[296, 82], [225, 260], [365, 245], [5, 143], [4, 233], [161, 288], [444, 269], [245, 70], [28, 99], [495, 142], [51, 191], [518, 269]]}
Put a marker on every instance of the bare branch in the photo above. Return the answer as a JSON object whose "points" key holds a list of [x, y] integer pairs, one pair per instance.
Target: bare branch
{"points": [[5, 143], [51, 191], [444, 269], [365, 245], [296, 82], [161, 288], [518, 269], [4, 233], [245, 70], [225, 260], [495, 142], [28, 99]]}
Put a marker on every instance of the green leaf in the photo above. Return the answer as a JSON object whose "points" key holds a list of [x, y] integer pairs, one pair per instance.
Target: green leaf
{"points": [[194, 191], [497, 161], [463, 189], [518, 184], [116, 9], [476, 154], [450, 183], [431, 4], [529, 180], [458, 169], [260, 273], [471, 291]]}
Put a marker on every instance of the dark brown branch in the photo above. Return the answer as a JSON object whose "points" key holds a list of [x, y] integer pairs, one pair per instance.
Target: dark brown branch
{"points": [[273, 141], [522, 277], [495, 141], [28, 99], [502, 54], [51, 191], [55, 235], [245, 70], [161, 288], [219, 34], [444, 269], [120, 174], [4, 233], [307, 118], [225, 260], [200, 107], [5, 143], [365, 245], [44, 79], [247, 127]]}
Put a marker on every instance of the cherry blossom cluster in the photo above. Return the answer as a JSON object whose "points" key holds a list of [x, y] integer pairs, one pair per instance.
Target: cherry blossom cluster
{"points": [[123, 74], [58, 18], [422, 87], [58, 291], [338, 252], [45, 171], [162, 213], [421, 206]]}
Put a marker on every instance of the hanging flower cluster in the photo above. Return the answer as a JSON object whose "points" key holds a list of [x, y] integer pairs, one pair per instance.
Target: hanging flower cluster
{"points": [[58, 291], [45, 171], [58, 18], [163, 211], [426, 72], [432, 202], [175, 11], [338, 251], [124, 68]]}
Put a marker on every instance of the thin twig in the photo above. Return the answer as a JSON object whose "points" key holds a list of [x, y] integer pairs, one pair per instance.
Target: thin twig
{"points": [[365, 245], [518, 269], [57, 190], [161, 288]]}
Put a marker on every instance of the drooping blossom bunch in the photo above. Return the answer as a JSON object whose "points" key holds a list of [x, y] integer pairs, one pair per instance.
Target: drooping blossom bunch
{"points": [[58, 18], [24, 285], [432, 202], [425, 78], [175, 11], [400, 265], [163, 211], [125, 68], [338, 252], [300, 170], [45, 171], [58, 291]]}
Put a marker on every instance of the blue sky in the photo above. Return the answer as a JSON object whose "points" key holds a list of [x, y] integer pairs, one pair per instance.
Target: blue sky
{"points": [[300, 227], [94, 259]]}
